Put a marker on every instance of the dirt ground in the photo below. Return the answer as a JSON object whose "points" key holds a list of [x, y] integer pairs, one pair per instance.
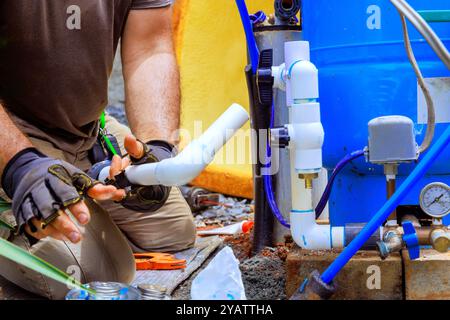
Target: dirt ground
{"points": [[263, 275]]}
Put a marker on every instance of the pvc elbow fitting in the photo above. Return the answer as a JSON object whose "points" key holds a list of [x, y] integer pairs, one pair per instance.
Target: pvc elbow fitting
{"points": [[304, 79], [311, 236]]}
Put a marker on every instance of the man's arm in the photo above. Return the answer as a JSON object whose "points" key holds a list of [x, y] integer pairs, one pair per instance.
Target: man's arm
{"points": [[12, 140], [152, 85]]}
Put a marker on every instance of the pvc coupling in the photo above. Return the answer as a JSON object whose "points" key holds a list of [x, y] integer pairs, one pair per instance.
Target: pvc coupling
{"points": [[306, 137]]}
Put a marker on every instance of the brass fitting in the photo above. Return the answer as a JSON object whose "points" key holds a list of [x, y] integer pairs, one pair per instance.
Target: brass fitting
{"points": [[308, 177], [392, 242], [440, 239]]}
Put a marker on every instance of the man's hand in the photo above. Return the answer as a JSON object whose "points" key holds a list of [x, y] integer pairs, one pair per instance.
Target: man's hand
{"points": [[141, 198], [42, 189], [63, 228]]}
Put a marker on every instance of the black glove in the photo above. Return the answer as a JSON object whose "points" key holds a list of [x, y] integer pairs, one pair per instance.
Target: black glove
{"points": [[146, 198], [40, 186]]}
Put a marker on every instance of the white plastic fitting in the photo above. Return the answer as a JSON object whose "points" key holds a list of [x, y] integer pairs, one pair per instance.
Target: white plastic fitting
{"points": [[304, 79], [279, 77], [306, 137], [294, 51], [306, 140], [311, 236], [193, 159], [305, 128], [305, 231]]}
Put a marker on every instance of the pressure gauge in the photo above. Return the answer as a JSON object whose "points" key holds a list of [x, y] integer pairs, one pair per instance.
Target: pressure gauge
{"points": [[435, 199]]}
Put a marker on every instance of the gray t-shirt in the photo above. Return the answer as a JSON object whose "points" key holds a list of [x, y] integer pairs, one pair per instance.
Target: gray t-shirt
{"points": [[55, 60]]}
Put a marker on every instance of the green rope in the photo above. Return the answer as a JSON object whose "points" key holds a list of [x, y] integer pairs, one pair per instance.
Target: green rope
{"points": [[104, 136]]}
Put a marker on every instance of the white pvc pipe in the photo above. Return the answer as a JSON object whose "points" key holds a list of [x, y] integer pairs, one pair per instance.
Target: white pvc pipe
{"points": [[306, 133], [193, 159], [305, 231]]}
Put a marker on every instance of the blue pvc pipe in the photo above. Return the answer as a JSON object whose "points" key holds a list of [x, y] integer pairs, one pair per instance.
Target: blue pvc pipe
{"points": [[388, 207], [248, 29]]}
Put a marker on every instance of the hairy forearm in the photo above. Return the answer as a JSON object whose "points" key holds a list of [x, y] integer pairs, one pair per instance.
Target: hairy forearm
{"points": [[152, 89], [12, 140]]}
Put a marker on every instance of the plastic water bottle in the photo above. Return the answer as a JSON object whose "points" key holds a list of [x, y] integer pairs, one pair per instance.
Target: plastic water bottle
{"points": [[105, 291]]}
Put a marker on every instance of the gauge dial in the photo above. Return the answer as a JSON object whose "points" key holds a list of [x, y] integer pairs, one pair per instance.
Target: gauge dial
{"points": [[435, 199]]}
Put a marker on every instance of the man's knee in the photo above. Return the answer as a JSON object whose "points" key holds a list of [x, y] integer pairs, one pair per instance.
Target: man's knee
{"points": [[168, 229]]}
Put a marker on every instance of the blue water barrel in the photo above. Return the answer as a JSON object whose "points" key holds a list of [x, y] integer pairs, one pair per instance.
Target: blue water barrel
{"points": [[364, 73]]}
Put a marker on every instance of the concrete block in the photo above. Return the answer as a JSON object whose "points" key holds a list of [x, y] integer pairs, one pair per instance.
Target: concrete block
{"points": [[365, 277], [427, 278]]}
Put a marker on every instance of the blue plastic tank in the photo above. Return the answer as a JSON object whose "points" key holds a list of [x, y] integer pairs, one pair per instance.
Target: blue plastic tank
{"points": [[364, 73]]}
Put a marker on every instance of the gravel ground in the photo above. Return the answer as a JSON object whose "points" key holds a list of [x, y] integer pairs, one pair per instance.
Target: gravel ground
{"points": [[264, 278], [263, 275]]}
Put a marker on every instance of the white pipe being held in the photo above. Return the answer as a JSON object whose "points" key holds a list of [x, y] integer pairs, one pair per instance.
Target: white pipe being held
{"points": [[193, 159]]}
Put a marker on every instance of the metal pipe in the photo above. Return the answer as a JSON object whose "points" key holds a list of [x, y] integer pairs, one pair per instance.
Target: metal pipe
{"points": [[277, 179], [378, 219], [390, 190]]}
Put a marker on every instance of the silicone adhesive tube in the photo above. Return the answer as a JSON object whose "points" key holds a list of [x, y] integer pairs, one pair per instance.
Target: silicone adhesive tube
{"points": [[232, 229]]}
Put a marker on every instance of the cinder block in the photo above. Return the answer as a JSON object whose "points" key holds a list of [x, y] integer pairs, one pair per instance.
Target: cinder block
{"points": [[427, 278], [365, 277]]}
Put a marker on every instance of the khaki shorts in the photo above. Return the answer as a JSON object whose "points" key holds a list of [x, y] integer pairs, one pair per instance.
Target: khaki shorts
{"points": [[113, 234]]}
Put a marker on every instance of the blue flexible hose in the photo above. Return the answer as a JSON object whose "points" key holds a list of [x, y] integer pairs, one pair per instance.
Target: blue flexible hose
{"points": [[381, 216], [267, 179], [248, 29], [341, 164]]}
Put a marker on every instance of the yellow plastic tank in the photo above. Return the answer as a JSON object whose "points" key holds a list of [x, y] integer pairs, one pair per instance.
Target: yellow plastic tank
{"points": [[211, 51]]}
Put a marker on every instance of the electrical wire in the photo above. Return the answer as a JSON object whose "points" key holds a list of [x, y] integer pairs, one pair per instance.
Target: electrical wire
{"points": [[327, 192], [423, 27], [431, 120]]}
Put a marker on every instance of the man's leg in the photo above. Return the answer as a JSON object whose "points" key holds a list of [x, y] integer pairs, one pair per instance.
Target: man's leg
{"points": [[169, 229], [102, 255]]}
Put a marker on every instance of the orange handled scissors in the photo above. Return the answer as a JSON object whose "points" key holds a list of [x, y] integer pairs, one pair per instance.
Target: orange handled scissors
{"points": [[158, 261]]}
